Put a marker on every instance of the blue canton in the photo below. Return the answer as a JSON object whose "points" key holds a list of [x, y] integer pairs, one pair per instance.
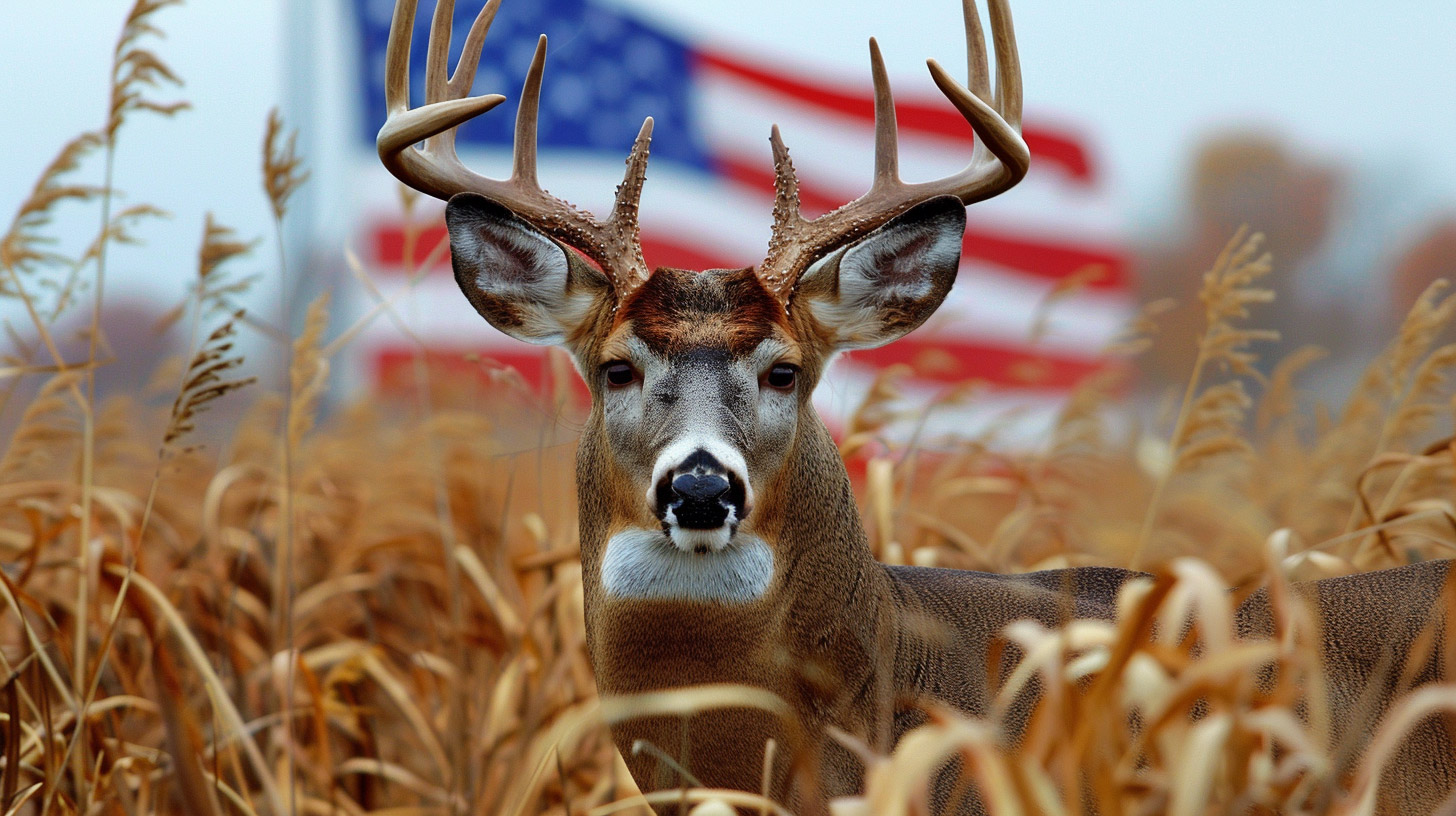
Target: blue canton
{"points": [[605, 72]]}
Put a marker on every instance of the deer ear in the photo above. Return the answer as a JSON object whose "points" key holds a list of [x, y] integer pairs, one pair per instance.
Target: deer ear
{"points": [[881, 287], [523, 282]]}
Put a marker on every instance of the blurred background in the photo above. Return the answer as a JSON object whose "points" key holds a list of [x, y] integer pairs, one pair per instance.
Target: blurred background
{"points": [[1156, 129]]}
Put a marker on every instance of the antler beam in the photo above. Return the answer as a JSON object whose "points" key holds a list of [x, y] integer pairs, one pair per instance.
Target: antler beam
{"points": [[999, 161], [435, 169]]}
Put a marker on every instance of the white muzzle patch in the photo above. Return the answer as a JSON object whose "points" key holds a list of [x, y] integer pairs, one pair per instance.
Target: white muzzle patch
{"points": [[648, 564], [701, 541]]}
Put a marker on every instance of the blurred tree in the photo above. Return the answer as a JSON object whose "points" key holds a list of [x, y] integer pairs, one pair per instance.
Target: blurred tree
{"points": [[1428, 258], [1242, 178]]}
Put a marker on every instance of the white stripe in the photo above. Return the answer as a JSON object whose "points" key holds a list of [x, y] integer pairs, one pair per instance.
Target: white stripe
{"points": [[1018, 417], [988, 303]]}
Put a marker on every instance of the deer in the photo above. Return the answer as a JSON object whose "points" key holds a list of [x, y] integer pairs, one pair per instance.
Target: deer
{"points": [[720, 538]]}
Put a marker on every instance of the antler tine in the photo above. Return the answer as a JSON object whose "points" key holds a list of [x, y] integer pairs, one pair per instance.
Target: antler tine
{"points": [[1008, 64], [437, 64], [624, 227], [523, 153], [977, 70], [787, 221], [997, 122], [629, 192], [999, 161], [887, 151], [396, 58], [437, 59], [786, 183], [464, 75], [434, 171], [437, 171]]}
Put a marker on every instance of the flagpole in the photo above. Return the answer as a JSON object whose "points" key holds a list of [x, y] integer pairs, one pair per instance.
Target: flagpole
{"points": [[300, 31]]}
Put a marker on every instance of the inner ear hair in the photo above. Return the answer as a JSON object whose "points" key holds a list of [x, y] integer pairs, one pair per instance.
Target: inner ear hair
{"points": [[500, 250], [522, 281], [890, 281]]}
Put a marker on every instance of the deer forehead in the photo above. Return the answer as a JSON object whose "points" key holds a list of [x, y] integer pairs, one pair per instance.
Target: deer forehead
{"points": [[679, 312]]}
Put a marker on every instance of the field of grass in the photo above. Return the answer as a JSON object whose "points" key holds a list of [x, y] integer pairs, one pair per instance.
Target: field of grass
{"points": [[379, 610]]}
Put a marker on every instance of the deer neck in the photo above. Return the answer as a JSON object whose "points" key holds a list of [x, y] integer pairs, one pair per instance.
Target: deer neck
{"points": [[834, 587]]}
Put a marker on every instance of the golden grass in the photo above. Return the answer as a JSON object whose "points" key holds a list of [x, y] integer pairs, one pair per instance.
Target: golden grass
{"points": [[382, 612]]}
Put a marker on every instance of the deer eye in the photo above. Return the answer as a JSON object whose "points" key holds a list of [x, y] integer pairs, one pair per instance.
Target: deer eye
{"points": [[619, 373], [781, 377]]}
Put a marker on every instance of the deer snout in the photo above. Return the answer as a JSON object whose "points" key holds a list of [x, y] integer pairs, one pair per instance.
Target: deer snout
{"points": [[691, 487], [700, 502]]}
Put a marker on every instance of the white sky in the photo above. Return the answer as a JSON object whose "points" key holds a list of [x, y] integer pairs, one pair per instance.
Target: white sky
{"points": [[54, 85], [1366, 85]]}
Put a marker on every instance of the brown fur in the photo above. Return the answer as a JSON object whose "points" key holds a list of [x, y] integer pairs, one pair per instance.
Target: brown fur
{"points": [[1372, 623], [677, 309]]}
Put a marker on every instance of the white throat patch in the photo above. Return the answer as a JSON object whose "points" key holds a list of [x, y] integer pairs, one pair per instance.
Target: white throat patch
{"points": [[645, 564]]}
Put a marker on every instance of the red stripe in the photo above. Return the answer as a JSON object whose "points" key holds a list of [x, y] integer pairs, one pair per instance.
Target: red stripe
{"points": [[1042, 259], [946, 360], [662, 251], [394, 368], [1046, 260], [1058, 149], [388, 240]]}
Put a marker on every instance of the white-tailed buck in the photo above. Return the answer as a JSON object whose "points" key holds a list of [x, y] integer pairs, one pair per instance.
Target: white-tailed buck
{"points": [[720, 540]]}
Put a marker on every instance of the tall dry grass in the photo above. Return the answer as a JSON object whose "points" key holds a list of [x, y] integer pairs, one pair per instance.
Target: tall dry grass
{"points": [[379, 610]]}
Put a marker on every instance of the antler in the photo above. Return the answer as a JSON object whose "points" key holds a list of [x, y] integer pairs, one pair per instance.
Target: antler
{"points": [[999, 161], [436, 170]]}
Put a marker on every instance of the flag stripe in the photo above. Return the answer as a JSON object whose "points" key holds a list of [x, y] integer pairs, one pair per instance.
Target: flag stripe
{"points": [[662, 251], [946, 360], [393, 364], [1019, 417], [910, 114]]}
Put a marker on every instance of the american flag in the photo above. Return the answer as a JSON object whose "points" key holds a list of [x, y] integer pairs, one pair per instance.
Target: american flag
{"points": [[710, 186]]}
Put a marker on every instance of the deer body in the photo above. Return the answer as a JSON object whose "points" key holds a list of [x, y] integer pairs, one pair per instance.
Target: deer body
{"points": [[720, 538]]}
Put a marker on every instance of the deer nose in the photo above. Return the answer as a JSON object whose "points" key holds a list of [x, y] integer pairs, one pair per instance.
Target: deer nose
{"points": [[696, 488], [700, 493]]}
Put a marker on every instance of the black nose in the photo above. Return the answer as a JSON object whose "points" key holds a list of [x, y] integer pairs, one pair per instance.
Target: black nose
{"points": [[695, 501], [700, 493], [699, 488]]}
